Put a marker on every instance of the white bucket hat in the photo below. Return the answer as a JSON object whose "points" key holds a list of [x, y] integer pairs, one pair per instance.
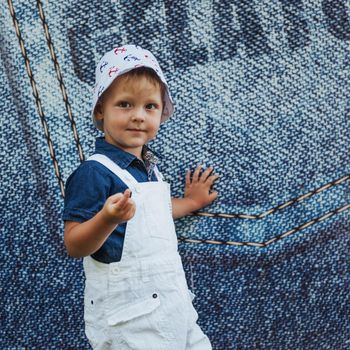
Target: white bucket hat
{"points": [[121, 60]]}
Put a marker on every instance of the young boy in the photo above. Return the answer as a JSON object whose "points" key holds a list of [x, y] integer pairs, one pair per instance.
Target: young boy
{"points": [[119, 216]]}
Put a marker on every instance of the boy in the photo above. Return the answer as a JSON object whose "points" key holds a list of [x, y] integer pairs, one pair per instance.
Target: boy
{"points": [[119, 216]]}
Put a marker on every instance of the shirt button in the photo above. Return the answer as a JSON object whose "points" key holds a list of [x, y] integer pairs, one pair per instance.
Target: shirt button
{"points": [[155, 296], [115, 269], [138, 188]]}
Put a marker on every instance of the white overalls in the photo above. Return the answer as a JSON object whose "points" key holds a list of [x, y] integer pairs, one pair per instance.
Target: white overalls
{"points": [[142, 302]]}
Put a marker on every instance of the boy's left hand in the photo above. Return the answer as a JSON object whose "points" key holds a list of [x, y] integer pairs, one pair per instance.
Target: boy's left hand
{"points": [[197, 189]]}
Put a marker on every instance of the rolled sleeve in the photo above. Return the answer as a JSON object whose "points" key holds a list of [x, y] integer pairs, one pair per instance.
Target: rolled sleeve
{"points": [[87, 189]]}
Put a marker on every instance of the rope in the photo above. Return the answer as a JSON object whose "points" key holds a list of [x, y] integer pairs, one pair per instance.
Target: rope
{"points": [[278, 237], [36, 97], [60, 80]]}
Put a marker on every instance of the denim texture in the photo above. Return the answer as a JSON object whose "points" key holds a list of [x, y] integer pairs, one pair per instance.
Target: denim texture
{"points": [[262, 94]]}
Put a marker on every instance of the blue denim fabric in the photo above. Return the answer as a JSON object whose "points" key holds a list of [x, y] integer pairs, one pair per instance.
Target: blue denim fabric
{"points": [[89, 186], [262, 95]]}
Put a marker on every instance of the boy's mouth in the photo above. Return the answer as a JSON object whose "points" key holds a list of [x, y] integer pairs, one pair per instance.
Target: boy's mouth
{"points": [[138, 130]]}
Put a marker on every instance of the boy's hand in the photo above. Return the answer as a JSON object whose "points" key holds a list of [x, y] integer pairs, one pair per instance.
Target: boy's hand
{"points": [[197, 189], [119, 207]]}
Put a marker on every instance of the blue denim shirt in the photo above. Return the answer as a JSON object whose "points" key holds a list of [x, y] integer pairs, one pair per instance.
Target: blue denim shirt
{"points": [[88, 187]]}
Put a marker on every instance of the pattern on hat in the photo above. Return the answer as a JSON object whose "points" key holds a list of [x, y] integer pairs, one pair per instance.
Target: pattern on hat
{"points": [[121, 60]]}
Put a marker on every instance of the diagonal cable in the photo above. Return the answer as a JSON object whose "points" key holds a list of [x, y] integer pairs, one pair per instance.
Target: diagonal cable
{"points": [[36, 97], [276, 238], [279, 207], [60, 80]]}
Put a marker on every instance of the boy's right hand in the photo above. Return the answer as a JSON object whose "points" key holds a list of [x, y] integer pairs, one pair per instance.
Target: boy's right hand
{"points": [[119, 207]]}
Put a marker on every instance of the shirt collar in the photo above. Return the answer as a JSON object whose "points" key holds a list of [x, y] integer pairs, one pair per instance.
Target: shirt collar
{"points": [[122, 158]]}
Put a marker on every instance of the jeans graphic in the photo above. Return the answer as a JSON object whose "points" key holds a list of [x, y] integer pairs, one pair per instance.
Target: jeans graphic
{"points": [[261, 92]]}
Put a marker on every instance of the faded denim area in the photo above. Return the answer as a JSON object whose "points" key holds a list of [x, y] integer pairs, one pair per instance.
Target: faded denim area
{"points": [[261, 91]]}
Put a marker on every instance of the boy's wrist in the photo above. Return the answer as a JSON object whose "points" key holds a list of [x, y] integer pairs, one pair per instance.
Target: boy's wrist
{"points": [[108, 218], [191, 204]]}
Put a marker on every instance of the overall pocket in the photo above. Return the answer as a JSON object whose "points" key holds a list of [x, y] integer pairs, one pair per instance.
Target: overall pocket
{"points": [[139, 323], [134, 310], [94, 315], [158, 215], [94, 297]]}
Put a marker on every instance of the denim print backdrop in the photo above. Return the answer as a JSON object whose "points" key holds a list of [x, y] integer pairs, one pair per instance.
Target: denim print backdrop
{"points": [[262, 91]]}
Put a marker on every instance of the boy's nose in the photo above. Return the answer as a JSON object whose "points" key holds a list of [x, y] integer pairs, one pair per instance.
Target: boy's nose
{"points": [[139, 114]]}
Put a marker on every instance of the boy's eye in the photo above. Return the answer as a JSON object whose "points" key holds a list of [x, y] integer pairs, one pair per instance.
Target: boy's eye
{"points": [[151, 106], [123, 104]]}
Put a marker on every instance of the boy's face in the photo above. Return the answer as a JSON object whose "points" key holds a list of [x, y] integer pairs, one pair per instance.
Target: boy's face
{"points": [[131, 110]]}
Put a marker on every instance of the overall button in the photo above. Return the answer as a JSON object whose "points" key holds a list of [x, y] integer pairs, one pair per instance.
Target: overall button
{"points": [[115, 269]]}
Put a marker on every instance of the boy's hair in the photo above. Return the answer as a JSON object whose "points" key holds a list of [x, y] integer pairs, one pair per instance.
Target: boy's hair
{"points": [[140, 72], [147, 73]]}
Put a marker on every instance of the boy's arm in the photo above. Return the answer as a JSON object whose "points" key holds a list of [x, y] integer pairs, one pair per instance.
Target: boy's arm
{"points": [[197, 193], [83, 239]]}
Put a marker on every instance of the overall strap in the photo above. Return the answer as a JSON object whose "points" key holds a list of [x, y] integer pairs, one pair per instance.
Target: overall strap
{"points": [[158, 174], [124, 175]]}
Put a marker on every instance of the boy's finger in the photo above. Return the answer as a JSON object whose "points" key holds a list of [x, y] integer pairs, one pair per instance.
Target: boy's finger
{"points": [[213, 178], [129, 204], [128, 210], [127, 193], [196, 173], [213, 195], [206, 174], [131, 211], [115, 198], [188, 178], [121, 200]]}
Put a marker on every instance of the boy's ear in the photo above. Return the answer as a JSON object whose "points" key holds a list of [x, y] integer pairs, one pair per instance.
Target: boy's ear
{"points": [[99, 111]]}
